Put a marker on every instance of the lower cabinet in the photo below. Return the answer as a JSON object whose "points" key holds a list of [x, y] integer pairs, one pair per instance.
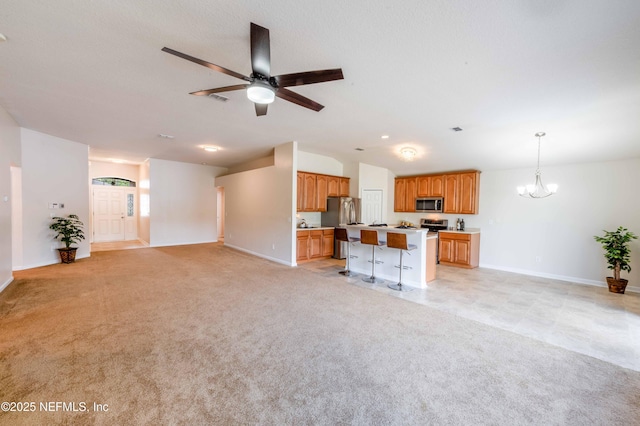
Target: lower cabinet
{"points": [[314, 244], [459, 249]]}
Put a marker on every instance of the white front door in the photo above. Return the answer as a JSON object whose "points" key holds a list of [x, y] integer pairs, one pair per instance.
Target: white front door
{"points": [[371, 206], [110, 214]]}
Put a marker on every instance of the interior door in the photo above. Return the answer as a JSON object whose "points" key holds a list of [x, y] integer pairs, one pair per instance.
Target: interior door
{"points": [[108, 213], [371, 206]]}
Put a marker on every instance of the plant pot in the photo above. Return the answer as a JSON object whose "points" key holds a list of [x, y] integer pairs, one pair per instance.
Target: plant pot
{"points": [[68, 255], [617, 286]]}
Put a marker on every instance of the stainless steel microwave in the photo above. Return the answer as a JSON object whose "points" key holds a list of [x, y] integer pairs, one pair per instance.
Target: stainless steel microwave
{"points": [[429, 205]]}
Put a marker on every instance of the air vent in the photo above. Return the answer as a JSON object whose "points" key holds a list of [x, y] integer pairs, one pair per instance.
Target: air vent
{"points": [[456, 129], [359, 149], [218, 97]]}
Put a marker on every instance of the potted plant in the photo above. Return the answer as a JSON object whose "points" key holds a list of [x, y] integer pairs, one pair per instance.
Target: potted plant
{"points": [[617, 253], [69, 230]]}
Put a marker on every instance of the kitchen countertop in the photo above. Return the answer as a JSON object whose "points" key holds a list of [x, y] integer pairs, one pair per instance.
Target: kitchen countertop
{"points": [[466, 231], [315, 228]]}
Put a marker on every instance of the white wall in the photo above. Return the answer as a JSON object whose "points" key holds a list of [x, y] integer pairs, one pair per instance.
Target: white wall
{"points": [[144, 222], [316, 163], [260, 206], [109, 169], [182, 203], [9, 156], [53, 170], [559, 229]]}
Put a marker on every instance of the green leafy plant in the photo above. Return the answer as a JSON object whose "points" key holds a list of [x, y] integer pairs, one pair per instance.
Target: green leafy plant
{"points": [[68, 229], [616, 248]]}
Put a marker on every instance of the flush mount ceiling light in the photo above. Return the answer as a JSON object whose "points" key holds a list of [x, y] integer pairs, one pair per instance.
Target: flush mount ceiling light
{"points": [[261, 92], [408, 153], [210, 148], [384, 137], [537, 189], [2, 37]]}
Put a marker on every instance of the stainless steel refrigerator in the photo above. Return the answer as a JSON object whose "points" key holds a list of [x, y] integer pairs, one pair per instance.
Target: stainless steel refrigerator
{"points": [[340, 211]]}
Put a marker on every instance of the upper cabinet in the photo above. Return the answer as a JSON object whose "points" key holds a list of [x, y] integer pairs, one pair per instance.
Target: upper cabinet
{"points": [[430, 186], [459, 190], [314, 188]]}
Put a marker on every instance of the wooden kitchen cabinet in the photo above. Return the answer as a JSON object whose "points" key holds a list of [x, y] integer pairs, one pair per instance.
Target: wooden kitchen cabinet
{"points": [[461, 193], [327, 242], [459, 249], [309, 197], [333, 186], [411, 193], [314, 188], [321, 193], [400, 195], [430, 186], [451, 194], [344, 187], [300, 196], [468, 192], [436, 186], [302, 245], [314, 244]]}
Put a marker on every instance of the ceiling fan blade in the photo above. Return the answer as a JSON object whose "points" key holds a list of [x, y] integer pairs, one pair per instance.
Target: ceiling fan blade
{"points": [[290, 96], [260, 50], [261, 109], [309, 77], [206, 64], [220, 90]]}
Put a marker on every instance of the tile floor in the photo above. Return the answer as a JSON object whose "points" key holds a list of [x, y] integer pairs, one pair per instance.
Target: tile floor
{"points": [[582, 318]]}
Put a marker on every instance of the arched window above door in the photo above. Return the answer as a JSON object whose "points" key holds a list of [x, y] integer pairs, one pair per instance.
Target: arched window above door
{"points": [[113, 181]]}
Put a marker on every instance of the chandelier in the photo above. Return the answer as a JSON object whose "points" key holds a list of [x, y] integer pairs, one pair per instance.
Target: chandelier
{"points": [[538, 190]]}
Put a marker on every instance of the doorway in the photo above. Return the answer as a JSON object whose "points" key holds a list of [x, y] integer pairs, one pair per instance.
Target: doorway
{"points": [[371, 206], [114, 213], [220, 213]]}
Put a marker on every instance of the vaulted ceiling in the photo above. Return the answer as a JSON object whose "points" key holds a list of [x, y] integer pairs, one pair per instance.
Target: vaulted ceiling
{"points": [[93, 72]]}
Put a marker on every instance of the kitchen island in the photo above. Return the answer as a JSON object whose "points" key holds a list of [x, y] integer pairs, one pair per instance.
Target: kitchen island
{"points": [[422, 260]]}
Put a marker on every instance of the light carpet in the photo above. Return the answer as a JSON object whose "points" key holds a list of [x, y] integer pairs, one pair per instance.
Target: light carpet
{"points": [[205, 334]]}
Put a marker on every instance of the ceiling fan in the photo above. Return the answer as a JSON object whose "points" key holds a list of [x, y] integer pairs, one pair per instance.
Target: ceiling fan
{"points": [[262, 87]]}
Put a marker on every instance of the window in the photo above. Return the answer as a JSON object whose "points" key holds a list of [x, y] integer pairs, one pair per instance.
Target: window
{"points": [[113, 181], [129, 205]]}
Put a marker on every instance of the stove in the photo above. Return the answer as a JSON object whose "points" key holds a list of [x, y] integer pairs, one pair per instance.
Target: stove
{"points": [[435, 225]]}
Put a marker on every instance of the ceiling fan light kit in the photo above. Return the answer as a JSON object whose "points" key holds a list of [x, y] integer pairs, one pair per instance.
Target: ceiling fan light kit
{"points": [[537, 189], [262, 87], [261, 93]]}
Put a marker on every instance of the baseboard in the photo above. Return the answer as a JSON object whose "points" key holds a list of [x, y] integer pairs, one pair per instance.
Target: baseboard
{"points": [[39, 265], [6, 284], [143, 242], [181, 244], [632, 289], [273, 259]]}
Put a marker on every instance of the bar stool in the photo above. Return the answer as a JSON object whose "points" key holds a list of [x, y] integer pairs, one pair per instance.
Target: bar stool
{"points": [[371, 237], [399, 241], [341, 234]]}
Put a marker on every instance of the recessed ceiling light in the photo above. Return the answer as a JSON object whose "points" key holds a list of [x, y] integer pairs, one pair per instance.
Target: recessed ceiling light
{"points": [[210, 148], [456, 129], [162, 135], [204, 164], [384, 137], [3, 37]]}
